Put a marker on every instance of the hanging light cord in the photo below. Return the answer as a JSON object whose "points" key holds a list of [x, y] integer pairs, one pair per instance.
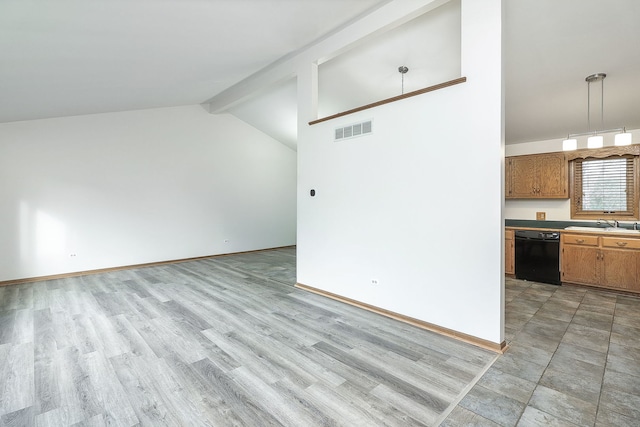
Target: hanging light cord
{"points": [[590, 79], [589, 104], [602, 103]]}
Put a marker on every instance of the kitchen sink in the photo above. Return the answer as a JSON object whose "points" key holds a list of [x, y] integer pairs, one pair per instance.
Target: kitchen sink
{"points": [[576, 228], [606, 230], [620, 230]]}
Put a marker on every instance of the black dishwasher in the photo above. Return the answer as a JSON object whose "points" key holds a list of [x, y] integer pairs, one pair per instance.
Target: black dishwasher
{"points": [[538, 256]]}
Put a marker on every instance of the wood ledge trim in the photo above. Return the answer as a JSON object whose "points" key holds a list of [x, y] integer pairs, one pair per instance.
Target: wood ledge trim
{"points": [[124, 267], [470, 339], [393, 99]]}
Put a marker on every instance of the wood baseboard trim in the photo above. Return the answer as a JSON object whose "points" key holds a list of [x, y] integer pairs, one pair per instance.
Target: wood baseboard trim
{"points": [[470, 339], [126, 267]]}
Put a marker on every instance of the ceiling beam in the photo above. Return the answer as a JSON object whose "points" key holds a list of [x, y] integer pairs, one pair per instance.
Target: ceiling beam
{"points": [[390, 15]]}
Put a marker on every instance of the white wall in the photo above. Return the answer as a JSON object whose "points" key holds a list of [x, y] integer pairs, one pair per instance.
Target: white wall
{"points": [[558, 209], [142, 186], [395, 206], [428, 45]]}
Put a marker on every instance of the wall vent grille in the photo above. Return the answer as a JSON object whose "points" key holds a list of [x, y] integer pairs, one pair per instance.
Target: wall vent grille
{"points": [[352, 131]]}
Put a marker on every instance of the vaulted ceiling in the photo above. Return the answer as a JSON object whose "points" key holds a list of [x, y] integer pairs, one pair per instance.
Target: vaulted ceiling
{"points": [[73, 57]]}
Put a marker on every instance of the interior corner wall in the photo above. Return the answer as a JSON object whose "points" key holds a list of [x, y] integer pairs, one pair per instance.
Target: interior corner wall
{"points": [[108, 190], [409, 218]]}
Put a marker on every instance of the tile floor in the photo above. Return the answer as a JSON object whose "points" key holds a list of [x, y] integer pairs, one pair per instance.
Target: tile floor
{"points": [[574, 359]]}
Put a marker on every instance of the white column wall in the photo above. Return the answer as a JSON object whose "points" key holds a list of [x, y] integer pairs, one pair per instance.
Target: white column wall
{"points": [[417, 205], [141, 186]]}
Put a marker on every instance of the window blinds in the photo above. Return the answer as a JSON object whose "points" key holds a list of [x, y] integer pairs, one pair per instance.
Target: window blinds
{"points": [[605, 185]]}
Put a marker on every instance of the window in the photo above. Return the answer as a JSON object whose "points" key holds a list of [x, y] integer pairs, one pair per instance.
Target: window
{"points": [[605, 187]]}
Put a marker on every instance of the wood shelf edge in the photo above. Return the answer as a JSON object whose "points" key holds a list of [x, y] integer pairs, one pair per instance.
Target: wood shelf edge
{"points": [[392, 99]]}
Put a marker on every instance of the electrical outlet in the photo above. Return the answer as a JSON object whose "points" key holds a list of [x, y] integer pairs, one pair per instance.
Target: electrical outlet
{"points": [[541, 216], [374, 281], [72, 255], [226, 240]]}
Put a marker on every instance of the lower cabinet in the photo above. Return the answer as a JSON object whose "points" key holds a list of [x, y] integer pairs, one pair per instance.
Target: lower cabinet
{"points": [[579, 264], [620, 262], [609, 262], [509, 252]]}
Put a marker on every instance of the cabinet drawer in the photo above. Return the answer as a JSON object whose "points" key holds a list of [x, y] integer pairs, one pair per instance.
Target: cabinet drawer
{"points": [[620, 243], [580, 239]]}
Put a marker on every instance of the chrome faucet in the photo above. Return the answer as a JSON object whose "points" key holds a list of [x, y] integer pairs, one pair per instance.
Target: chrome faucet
{"points": [[614, 224]]}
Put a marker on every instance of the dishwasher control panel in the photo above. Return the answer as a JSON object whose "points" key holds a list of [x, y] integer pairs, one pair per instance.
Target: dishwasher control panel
{"points": [[537, 235]]}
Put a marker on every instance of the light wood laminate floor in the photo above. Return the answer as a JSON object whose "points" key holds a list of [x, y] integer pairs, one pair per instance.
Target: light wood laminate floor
{"points": [[226, 341]]}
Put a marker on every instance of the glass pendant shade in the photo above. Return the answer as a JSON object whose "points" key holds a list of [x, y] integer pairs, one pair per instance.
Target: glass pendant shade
{"points": [[569, 144], [623, 138], [596, 141]]}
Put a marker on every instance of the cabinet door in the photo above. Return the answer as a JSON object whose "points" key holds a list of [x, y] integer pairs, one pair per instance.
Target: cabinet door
{"points": [[523, 177], [619, 269], [551, 170], [580, 264], [509, 255]]}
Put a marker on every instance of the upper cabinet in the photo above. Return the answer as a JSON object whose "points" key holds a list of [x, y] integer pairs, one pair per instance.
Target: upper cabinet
{"points": [[536, 176]]}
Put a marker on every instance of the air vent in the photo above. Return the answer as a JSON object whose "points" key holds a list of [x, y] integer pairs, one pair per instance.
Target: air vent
{"points": [[352, 131]]}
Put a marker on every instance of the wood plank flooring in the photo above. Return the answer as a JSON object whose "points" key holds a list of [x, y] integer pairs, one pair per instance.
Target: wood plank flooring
{"points": [[226, 341]]}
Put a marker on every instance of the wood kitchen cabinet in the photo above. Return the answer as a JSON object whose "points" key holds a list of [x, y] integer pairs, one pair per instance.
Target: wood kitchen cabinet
{"points": [[579, 256], [620, 258], [537, 176], [607, 261], [509, 252]]}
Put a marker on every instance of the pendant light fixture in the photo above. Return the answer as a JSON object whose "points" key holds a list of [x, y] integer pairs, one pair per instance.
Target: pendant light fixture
{"points": [[623, 138], [596, 139], [402, 70]]}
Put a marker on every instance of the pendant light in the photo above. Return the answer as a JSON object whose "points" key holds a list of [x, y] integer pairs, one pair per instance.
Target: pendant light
{"points": [[403, 70], [596, 139], [623, 138], [569, 144]]}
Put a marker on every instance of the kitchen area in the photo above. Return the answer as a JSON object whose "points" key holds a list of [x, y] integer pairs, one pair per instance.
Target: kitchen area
{"points": [[597, 243]]}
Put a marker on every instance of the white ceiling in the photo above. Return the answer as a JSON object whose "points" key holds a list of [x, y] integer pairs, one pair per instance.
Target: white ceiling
{"points": [[551, 46], [72, 57]]}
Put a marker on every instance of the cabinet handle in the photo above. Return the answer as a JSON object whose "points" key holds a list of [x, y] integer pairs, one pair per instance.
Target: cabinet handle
{"points": [[579, 240], [621, 243]]}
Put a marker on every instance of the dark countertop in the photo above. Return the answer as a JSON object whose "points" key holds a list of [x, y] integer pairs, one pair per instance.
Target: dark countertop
{"points": [[556, 225]]}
